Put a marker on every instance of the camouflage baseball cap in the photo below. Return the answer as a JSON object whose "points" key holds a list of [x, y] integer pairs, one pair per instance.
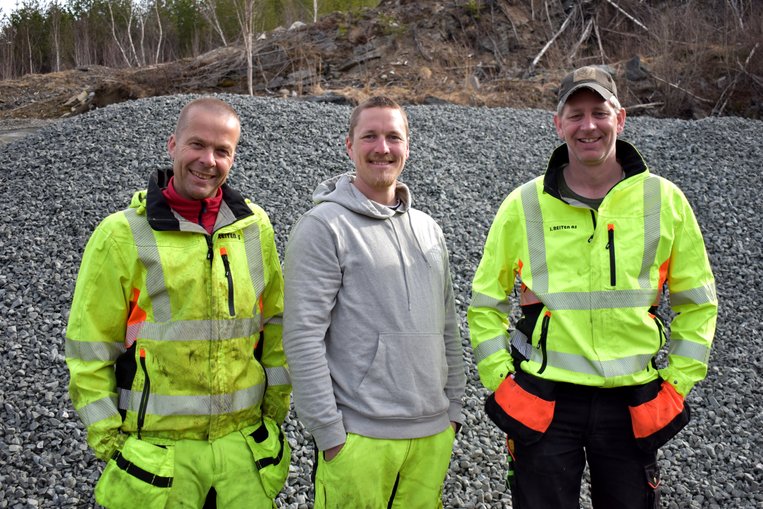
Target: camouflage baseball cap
{"points": [[592, 77]]}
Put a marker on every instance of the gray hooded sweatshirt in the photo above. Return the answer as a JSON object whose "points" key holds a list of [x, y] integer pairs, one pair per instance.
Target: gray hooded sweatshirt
{"points": [[370, 326]]}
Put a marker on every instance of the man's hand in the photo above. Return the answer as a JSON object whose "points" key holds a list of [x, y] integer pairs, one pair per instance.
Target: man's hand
{"points": [[329, 454]]}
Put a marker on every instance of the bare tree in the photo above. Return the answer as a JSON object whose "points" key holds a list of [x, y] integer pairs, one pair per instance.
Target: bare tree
{"points": [[54, 14], [116, 39], [161, 32], [141, 20], [209, 11], [245, 15], [130, 8]]}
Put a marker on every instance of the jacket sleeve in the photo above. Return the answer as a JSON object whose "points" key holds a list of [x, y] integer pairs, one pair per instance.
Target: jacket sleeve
{"points": [[454, 353], [95, 338], [693, 298], [312, 278], [277, 394], [488, 312]]}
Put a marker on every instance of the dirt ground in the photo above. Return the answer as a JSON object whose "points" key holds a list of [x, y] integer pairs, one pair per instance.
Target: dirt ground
{"points": [[417, 52]]}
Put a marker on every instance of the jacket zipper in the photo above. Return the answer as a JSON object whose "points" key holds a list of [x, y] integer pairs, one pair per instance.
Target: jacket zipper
{"points": [[611, 247], [229, 276], [543, 341], [144, 395], [210, 251], [593, 219]]}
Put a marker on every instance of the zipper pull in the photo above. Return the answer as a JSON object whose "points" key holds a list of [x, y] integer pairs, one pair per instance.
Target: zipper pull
{"points": [[226, 264], [593, 220], [210, 250]]}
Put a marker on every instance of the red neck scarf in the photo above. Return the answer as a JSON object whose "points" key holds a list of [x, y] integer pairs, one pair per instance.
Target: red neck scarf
{"points": [[202, 212]]}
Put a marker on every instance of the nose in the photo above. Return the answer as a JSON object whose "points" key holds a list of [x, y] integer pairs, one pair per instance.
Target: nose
{"points": [[207, 157], [382, 146], [589, 122]]}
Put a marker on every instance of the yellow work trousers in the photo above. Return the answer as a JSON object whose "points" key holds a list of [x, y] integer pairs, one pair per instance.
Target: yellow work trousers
{"points": [[147, 475], [373, 473]]}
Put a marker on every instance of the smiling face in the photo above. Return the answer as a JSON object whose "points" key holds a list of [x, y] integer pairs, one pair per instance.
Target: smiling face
{"points": [[202, 149], [589, 125], [378, 145]]}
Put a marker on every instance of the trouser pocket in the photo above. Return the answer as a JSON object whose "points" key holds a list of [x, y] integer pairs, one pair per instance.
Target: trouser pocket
{"points": [[523, 407], [139, 474], [658, 413], [271, 453]]}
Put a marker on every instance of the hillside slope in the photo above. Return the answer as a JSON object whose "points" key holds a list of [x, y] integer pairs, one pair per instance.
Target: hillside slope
{"points": [[478, 53]]}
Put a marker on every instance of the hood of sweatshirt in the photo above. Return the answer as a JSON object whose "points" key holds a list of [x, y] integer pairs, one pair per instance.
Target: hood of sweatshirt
{"points": [[340, 190]]}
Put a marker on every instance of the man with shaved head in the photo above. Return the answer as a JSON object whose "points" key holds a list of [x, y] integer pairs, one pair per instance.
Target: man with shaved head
{"points": [[174, 337]]}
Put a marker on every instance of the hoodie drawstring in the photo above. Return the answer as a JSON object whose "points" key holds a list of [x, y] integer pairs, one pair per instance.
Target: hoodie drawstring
{"points": [[402, 262], [418, 243], [401, 253]]}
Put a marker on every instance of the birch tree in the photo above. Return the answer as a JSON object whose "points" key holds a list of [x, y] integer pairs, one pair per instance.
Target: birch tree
{"points": [[245, 16]]}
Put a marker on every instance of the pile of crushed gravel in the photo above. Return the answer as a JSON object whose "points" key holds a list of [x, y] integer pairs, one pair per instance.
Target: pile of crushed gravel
{"points": [[60, 181]]}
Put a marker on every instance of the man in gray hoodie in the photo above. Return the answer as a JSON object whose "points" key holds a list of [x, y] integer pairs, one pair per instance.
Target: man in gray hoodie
{"points": [[370, 328]]}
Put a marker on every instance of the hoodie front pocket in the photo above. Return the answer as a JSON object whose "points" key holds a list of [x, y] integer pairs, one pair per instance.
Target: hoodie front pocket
{"points": [[406, 377]]}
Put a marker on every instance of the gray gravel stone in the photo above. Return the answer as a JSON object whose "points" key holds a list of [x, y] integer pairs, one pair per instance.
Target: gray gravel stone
{"points": [[63, 179]]}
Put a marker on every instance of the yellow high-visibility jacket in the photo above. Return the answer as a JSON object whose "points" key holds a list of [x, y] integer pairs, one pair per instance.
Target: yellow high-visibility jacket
{"points": [[164, 322], [591, 281]]}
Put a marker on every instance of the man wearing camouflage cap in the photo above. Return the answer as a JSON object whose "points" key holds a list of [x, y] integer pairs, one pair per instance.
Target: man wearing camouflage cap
{"points": [[592, 245]]}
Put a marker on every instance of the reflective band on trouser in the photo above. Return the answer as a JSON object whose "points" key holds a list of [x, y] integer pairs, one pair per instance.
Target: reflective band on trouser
{"points": [[145, 476], [215, 404]]}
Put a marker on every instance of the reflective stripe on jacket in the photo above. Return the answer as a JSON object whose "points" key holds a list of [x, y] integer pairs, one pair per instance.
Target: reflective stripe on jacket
{"points": [[591, 281], [164, 322]]}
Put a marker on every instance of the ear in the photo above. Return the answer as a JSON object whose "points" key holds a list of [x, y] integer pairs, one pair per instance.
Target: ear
{"points": [[558, 124], [348, 146], [171, 146], [620, 120]]}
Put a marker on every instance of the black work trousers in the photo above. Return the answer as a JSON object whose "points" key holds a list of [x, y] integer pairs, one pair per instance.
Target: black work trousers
{"points": [[593, 425]]}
